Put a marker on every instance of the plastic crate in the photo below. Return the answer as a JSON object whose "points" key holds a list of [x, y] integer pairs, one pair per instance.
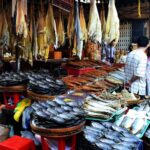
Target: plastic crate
{"points": [[77, 72]]}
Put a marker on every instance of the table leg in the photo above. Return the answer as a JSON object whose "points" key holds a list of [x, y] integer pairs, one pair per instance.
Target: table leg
{"points": [[61, 144], [44, 144], [73, 142]]}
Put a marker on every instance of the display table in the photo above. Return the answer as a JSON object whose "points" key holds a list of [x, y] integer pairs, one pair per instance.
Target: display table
{"points": [[60, 135], [11, 94]]}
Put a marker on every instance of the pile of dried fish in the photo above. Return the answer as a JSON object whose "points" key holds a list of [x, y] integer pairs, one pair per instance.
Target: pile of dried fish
{"points": [[58, 113], [84, 64], [45, 84], [11, 79], [120, 75], [108, 136], [97, 107], [114, 80], [134, 121], [145, 106]]}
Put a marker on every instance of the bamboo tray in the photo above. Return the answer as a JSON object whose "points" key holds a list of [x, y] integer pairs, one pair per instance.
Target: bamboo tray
{"points": [[17, 88], [40, 97], [58, 133]]}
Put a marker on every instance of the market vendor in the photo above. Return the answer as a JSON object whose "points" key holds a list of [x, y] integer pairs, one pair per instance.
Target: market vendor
{"points": [[135, 69], [109, 52]]}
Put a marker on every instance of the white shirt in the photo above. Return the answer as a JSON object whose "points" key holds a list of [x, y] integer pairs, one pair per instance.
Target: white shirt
{"points": [[148, 77], [136, 66]]}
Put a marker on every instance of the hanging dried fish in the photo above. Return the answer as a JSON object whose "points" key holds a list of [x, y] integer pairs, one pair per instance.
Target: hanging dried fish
{"points": [[78, 47], [70, 26], [94, 24], [61, 32], [42, 42], [112, 24], [103, 19], [83, 24], [21, 25], [50, 31], [1, 23], [5, 31], [14, 2]]}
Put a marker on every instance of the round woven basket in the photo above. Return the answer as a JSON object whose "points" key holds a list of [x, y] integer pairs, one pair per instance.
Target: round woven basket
{"points": [[40, 97], [57, 133]]}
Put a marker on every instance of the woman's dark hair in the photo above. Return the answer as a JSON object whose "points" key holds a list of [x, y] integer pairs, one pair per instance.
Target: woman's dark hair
{"points": [[148, 51], [142, 41]]}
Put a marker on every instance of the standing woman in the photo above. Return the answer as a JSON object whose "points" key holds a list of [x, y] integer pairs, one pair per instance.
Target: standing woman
{"points": [[109, 52], [148, 72]]}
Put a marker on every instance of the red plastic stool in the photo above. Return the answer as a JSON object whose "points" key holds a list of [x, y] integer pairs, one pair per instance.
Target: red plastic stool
{"points": [[15, 97], [61, 143], [17, 143]]}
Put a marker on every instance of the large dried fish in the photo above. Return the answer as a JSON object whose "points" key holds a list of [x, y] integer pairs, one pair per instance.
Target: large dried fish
{"points": [[94, 24], [21, 25], [14, 2], [103, 19], [61, 32], [41, 32], [5, 31], [83, 24], [78, 41], [112, 24], [50, 31], [70, 26]]}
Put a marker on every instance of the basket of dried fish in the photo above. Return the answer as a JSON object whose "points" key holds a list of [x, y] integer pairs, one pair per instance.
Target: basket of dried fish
{"points": [[135, 121], [58, 132], [107, 135], [130, 98], [100, 109], [62, 112], [13, 79], [42, 83]]}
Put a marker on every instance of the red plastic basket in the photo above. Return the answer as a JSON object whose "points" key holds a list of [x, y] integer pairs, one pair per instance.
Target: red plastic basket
{"points": [[77, 72]]}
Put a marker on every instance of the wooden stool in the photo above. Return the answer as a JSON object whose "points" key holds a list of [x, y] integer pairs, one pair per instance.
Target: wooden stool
{"points": [[17, 143], [61, 143]]}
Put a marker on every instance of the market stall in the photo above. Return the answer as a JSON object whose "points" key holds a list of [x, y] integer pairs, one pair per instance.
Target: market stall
{"points": [[62, 84]]}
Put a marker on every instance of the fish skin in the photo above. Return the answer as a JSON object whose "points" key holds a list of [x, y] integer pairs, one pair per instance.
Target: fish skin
{"points": [[127, 122], [90, 138], [94, 24], [112, 137], [78, 45], [125, 139], [70, 26], [118, 129], [94, 114], [107, 141], [107, 124], [103, 20], [98, 125], [98, 108], [21, 25], [60, 31], [83, 24], [92, 129], [59, 101], [58, 119], [120, 147], [112, 23], [137, 125], [103, 146], [50, 32]]}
